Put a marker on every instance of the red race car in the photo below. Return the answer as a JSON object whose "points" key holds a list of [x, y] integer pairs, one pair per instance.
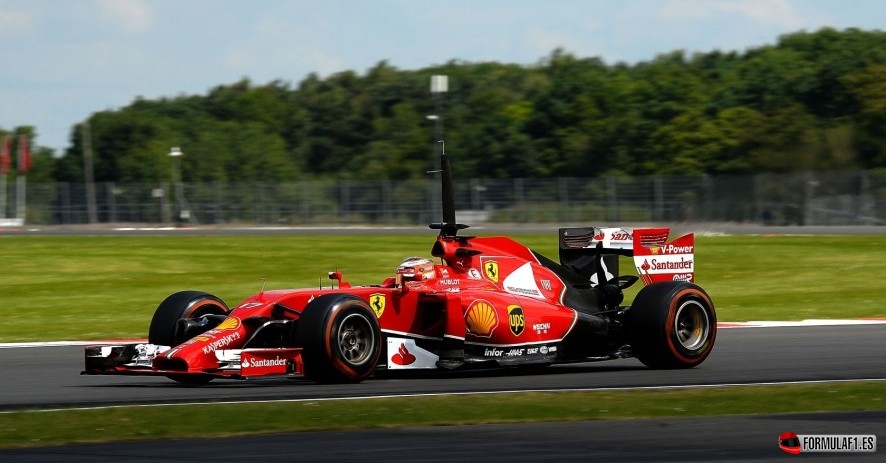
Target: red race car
{"points": [[483, 302]]}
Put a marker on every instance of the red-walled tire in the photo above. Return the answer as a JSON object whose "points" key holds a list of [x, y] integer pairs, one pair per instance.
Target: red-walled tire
{"points": [[672, 325], [341, 339]]}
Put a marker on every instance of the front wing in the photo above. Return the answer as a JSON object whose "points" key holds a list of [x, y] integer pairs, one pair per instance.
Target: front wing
{"points": [[138, 359]]}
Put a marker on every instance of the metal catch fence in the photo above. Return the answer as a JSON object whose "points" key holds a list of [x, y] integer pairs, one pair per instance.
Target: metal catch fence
{"points": [[810, 198]]}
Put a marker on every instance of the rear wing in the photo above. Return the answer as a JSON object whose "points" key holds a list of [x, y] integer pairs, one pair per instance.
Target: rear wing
{"points": [[654, 257]]}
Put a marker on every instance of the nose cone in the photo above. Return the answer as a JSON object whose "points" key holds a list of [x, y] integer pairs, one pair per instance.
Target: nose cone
{"points": [[198, 353]]}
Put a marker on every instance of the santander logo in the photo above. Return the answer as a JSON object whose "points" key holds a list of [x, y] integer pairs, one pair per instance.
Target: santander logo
{"points": [[403, 357]]}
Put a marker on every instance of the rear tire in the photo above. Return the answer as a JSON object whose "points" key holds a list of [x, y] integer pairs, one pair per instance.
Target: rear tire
{"points": [[672, 325], [184, 304], [341, 339]]}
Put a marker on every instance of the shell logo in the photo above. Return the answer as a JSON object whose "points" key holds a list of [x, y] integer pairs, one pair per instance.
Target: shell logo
{"points": [[229, 323], [481, 318]]}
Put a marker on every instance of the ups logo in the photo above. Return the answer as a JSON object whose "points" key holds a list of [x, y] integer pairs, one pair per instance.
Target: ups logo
{"points": [[516, 319]]}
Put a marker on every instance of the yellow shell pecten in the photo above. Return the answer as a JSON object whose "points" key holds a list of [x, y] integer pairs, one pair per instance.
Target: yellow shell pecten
{"points": [[228, 323], [481, 318]]}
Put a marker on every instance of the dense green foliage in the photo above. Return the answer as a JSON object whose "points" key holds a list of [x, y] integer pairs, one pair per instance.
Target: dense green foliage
{"points": [[812, 101]]}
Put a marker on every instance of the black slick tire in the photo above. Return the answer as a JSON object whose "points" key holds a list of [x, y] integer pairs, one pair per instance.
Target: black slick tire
{"points": [[341, 339], [672, 325]]}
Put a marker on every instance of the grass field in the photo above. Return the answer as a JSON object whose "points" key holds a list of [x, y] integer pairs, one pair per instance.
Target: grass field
{"points": [[99, 287]]}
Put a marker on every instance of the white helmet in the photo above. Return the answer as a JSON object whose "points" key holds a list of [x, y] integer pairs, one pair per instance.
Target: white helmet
{"points": [[416, 269]]}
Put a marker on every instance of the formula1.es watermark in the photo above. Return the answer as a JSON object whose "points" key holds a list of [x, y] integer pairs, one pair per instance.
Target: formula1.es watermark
{"points": [[794, 443]]}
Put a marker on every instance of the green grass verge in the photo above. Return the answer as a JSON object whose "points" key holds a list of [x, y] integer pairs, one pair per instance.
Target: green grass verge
{"points": [[94, 287], [30, 428]]}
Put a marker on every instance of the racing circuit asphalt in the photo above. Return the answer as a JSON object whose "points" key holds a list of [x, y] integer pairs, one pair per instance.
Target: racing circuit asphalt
{"points": [[48, 377]]}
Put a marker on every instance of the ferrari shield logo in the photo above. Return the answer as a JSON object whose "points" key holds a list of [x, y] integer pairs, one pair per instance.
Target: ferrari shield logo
{"points": [[490, 268], [377, 302]]}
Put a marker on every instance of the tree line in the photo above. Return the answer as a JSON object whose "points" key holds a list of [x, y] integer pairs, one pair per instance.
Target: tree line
{"points": [[812, 101]]}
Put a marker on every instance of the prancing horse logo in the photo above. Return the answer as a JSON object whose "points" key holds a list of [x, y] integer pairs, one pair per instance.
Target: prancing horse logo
{"points": [[490, 268], [377, 302]]}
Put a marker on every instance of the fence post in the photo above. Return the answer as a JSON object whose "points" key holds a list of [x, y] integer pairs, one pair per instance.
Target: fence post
{"points": [[219, 202], [563, 193], [386, 201], [518, 199], [611, 200], [475, 194], [110, 192], [863, 203], [345, 198], [708, 206], [66, 202], [305, 201], [810, 183], [658, 207]]}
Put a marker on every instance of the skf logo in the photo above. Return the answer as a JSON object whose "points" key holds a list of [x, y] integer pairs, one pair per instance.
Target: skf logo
{"points": [[480, 319], [377, 302], [491, 270], [516, 319]]}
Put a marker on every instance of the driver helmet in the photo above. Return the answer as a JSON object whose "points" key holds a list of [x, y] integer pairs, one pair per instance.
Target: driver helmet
{"points": [[416, 269]]}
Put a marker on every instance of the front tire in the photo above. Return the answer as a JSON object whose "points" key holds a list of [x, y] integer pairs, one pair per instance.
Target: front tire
{"points": [[164, 329], [341, 339], [183, 304], [672, 325]]}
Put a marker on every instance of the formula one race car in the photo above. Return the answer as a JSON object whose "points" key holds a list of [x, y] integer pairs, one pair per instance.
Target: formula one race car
{"points": [[484, 302]]}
